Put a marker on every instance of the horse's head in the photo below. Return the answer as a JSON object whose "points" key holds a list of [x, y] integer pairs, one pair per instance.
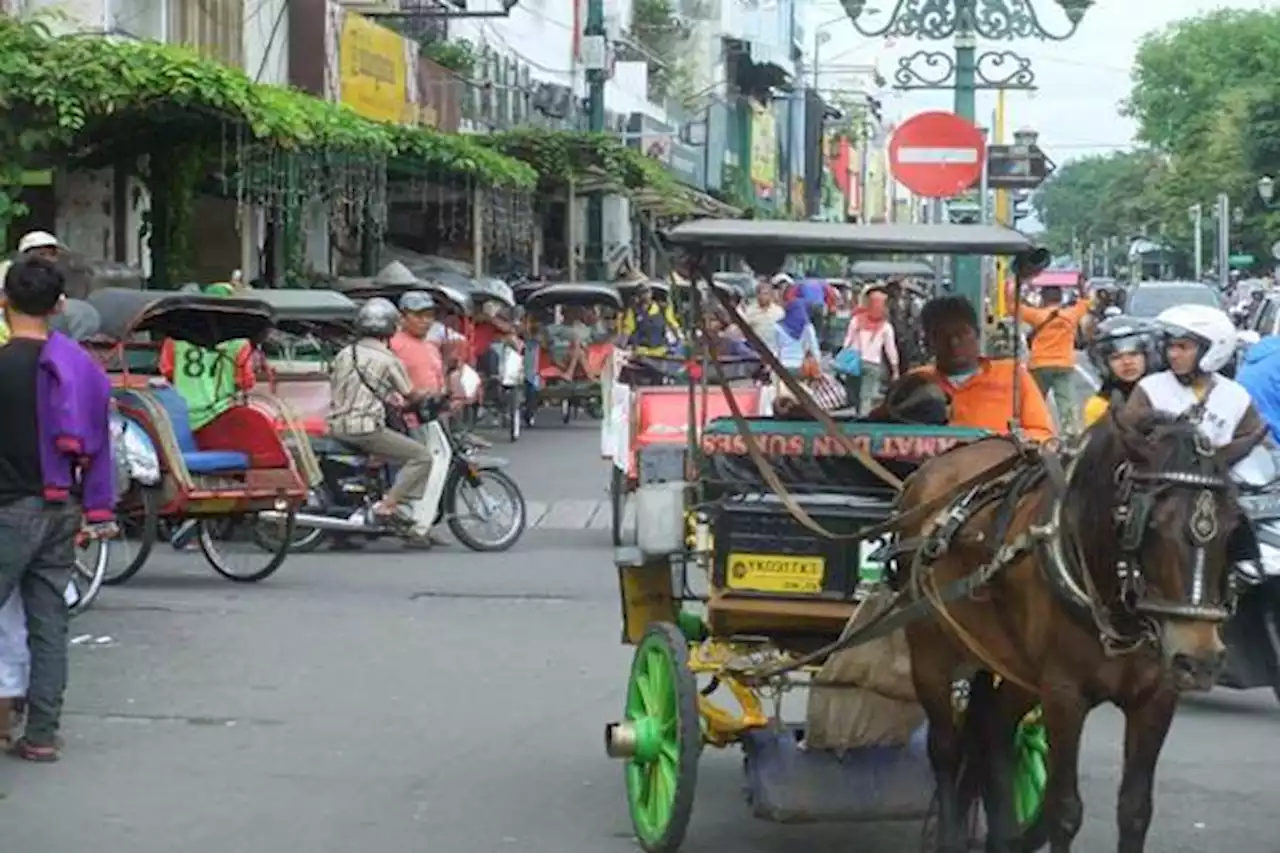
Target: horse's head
{"points": [[1173, 510]]}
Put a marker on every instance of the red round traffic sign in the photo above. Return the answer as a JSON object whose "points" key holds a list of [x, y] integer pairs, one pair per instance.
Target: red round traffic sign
{"points": [[937, 154]]}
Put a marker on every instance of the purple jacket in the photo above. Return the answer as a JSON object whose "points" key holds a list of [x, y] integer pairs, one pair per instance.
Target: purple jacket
{"points": [[73, 403]]}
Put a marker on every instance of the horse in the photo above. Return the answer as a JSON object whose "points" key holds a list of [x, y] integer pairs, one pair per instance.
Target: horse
{"points": [[1104, 580]]}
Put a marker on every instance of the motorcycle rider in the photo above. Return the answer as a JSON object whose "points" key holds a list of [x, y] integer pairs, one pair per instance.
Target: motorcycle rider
{"points": [[1199, 341], [1123, 351], [370, 386]]}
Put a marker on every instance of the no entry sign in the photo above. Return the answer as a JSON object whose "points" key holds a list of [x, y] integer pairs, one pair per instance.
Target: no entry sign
{"points": [[937, 154]]}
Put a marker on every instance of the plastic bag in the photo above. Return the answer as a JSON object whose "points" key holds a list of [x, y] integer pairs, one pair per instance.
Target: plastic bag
{"points": [[468, 381], [510, 368]]}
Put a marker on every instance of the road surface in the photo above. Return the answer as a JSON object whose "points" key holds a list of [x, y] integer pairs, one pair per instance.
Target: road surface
{"points": [[450, 702]]}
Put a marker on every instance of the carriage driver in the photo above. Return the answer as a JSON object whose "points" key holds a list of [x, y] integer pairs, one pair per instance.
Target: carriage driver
{"points": [[1122, 352], [1199, 341], [980, 389]]}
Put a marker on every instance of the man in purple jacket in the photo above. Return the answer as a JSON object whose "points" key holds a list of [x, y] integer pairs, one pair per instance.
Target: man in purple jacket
{"points": [[55, 477]]}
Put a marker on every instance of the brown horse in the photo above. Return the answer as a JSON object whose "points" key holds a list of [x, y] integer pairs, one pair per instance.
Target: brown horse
{"points": [[1114, 588]]}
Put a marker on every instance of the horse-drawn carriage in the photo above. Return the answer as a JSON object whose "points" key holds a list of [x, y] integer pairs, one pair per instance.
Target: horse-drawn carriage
{"points": [[924, 581], [215, 478]]}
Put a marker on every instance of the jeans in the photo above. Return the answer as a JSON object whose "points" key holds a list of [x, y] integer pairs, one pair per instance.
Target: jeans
{"points": [[37, 556], [1057, 382]]}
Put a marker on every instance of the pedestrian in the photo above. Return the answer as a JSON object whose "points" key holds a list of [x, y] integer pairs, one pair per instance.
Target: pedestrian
{"points": [[765, 313], [1053, 355], [871, 335], [38, 243], [795, 341], [56, 475]]}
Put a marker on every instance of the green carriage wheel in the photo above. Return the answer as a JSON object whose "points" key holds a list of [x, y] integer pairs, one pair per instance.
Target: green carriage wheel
{"points": [[662, 706]]}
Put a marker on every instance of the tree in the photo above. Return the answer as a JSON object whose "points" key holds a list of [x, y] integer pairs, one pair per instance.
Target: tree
{"points": [[1095, 198], [1206, 93]]}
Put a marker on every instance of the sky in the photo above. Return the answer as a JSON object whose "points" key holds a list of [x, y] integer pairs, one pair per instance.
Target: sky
{"points": [[1081, 81]]}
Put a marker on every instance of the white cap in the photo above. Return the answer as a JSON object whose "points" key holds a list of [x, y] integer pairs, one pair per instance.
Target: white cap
{"points": [[38, 240]]}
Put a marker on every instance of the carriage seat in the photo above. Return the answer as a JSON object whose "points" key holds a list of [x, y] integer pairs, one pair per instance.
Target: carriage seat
{"points": [[197, 461]]}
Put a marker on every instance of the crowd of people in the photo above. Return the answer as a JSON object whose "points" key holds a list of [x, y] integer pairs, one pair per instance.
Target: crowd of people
{"points": [[55, 467]]}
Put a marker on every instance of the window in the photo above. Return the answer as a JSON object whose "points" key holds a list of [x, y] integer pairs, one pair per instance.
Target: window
{"points": [[1266, 324], [214, 28]]}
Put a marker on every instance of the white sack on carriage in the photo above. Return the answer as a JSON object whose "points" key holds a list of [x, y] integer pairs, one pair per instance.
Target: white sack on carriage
{"points": [[881, 710]]}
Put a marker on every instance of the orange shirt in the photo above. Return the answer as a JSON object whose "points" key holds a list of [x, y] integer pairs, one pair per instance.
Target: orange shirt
{"points": [[422, 360], [985, 400], [1054, 344]]}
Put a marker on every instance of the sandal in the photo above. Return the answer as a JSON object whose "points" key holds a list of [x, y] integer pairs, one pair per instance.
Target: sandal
{"points": [[39, 754]]}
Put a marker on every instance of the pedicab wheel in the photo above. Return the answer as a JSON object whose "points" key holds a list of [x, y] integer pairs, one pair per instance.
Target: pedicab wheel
{"points": [[87, 574], [220, 545], [266, 534], [144, 525], [617, 503], [662, 710], [1031, 772], [515, 414]]}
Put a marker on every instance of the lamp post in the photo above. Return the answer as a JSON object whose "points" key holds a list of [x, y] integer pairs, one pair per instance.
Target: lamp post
{"points": [[1267, 191], [966, 21]]}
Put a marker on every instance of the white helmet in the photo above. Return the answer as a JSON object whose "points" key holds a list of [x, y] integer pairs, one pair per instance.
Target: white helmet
{"points": [[1209, 327]]}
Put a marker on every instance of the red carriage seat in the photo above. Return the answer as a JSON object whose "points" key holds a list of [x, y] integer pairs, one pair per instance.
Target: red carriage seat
{"points": [[197, 461]]}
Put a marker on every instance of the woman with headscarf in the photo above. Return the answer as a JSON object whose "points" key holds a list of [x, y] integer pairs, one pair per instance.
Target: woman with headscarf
{"points": [[795, 339], [872, 336]]}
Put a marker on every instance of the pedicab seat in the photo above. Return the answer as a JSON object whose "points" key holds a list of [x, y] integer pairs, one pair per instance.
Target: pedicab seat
{"points": [[197, 461]]}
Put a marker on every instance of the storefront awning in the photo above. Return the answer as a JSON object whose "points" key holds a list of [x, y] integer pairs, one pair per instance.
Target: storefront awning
{"points": [[661, 205]]}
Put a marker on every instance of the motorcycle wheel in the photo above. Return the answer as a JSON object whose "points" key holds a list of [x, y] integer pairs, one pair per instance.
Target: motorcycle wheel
{"points": [[456, 492], [146, 525]]}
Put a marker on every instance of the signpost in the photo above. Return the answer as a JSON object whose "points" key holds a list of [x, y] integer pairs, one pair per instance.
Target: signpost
{"points": [[937, 154]]}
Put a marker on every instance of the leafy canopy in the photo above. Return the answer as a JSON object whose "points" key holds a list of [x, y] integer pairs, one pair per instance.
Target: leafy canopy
{"points": [[62, 89], [1094, 198]]}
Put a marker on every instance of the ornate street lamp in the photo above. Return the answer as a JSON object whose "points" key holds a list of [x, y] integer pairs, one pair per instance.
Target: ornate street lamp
{"points": [[966, 21], [1266, 189]]}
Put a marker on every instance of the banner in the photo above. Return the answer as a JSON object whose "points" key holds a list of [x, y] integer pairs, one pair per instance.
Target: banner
{"points": [[764, 149], [372, 71]]}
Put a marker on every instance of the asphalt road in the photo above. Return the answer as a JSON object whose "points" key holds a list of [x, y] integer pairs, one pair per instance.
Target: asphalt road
{"points": [[453, 703]]}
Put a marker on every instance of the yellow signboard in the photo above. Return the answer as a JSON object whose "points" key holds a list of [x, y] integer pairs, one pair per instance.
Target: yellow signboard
{"points": [[776, 573], [372, 72], [764, 147]]}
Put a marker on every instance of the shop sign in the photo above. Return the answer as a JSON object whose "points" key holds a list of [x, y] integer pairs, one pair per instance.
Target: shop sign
{"points": [[764, 149], [373, 70], [688, 163]]}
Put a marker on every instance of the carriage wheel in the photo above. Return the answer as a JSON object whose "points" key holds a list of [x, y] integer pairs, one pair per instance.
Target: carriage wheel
{"points": [[1031, 772], [227, 543], [662, 705]]}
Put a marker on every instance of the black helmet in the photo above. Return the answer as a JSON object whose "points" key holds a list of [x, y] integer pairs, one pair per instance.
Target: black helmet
{"points": [[1123, 334]]}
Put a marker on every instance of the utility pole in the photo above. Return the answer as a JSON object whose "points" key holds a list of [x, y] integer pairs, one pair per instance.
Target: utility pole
{"points": [[966, 269], [1224, 240], [1197, 237], [595, 123]]}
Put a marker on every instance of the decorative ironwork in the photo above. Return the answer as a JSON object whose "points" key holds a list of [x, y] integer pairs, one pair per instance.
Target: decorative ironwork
{"points": [[996, 20], [935, 69]]}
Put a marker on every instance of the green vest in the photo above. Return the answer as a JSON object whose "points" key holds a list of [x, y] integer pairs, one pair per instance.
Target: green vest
{"points": [[206, 378]]}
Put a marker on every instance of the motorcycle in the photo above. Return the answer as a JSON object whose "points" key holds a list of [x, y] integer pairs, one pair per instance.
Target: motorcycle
{"points": [[1252, 635], [458, 490]]}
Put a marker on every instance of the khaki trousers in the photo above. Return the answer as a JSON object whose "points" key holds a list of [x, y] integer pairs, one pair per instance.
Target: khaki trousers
{"points": [[413, 457]]}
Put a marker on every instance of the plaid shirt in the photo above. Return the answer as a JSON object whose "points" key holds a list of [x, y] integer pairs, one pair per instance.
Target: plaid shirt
{"points": [[365, 376]]}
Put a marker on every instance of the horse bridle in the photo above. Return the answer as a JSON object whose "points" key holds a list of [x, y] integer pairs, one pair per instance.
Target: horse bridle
{"points": [[1137, 493]]}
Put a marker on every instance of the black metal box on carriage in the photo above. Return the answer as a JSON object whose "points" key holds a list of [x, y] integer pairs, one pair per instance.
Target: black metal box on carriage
{"points": [[761, 551]]}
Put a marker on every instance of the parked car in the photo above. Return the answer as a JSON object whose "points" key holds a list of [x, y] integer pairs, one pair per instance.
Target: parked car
{"points": [[1265, 319], [1146, 299]]}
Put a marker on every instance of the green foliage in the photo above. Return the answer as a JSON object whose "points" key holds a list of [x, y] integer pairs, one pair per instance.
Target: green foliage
{"points": [[657, 29], [63, 90], [557, 155], [1094, 198], [853, 125], [458, 55], [1206, 94]]}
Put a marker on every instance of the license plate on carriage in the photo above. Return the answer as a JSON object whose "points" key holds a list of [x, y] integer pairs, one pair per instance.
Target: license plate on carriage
{"points": [[781, 573]]}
